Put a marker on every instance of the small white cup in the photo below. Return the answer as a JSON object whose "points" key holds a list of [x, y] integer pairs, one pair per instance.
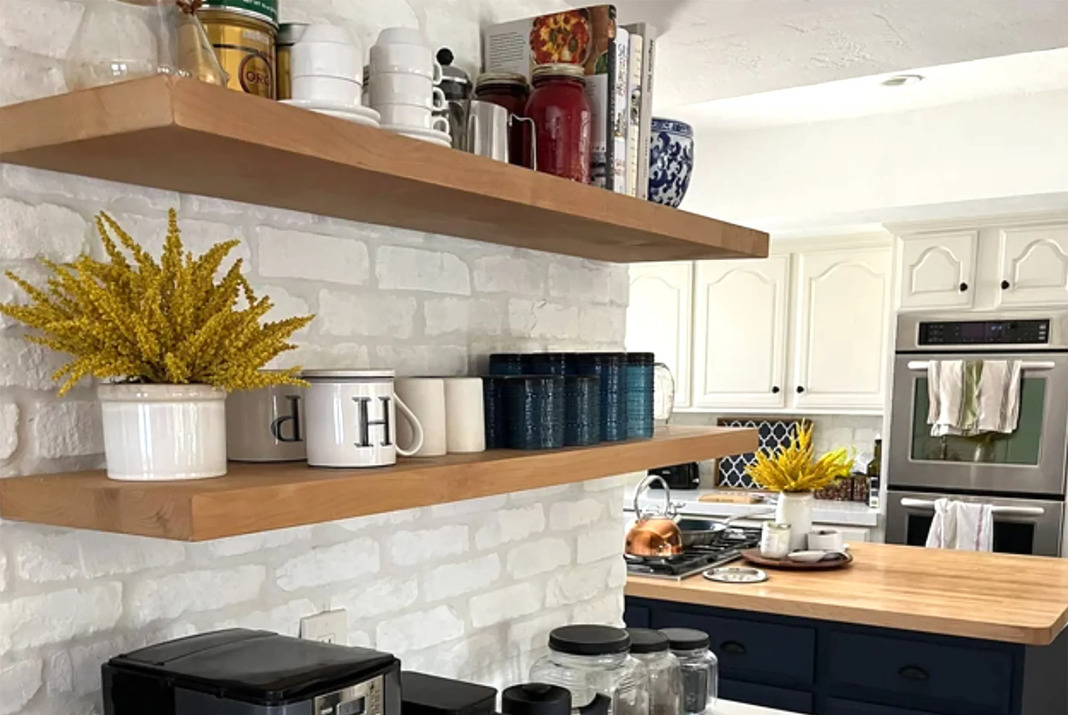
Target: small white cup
{"points": [[400, 35], [465, 422], [825, 540], [435, 101], [403, 87], [326, 59], [407, 115], [407, 59], [425, 397], [327, 89]]}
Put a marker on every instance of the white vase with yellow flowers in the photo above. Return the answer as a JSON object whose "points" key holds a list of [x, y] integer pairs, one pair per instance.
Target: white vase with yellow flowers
{"points": [[794, 472], [171, 339]]}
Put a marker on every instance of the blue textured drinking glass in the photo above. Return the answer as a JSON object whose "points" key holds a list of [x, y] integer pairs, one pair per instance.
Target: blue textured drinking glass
{"points": [[506, 364], [493, 406], [545, 364], [640, 395], [610, 368], [534, 412], [582, 409]]}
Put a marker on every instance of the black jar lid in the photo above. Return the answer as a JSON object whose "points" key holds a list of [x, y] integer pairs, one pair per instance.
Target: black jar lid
{"points": [[645, 640], [640, 358], [685, 638], [536, 699], [589, 640]]}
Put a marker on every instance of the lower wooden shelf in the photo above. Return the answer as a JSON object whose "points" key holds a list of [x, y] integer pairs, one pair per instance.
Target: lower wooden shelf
{"points": [[260, 497]]}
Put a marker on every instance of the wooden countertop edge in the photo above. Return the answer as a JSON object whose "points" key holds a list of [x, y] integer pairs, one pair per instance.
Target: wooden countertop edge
{"points": [[656, 589]]}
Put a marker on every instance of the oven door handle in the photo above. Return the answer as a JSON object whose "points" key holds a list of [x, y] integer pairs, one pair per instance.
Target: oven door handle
{"points": [[1026, 365], [909, 503]]}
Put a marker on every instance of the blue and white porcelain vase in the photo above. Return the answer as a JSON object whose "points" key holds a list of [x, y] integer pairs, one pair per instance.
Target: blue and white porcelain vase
{"points": [[670, 161]]}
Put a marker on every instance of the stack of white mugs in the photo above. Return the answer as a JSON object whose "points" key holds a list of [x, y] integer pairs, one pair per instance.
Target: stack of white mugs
{"points": [[403, 86], [327, 74]]}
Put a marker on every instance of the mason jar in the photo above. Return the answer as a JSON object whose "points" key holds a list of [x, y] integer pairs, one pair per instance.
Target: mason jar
{"points": [[700, 669]]}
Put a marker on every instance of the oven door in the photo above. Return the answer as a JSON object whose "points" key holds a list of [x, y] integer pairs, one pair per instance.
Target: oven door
{"points": [[1030, 461], [1021, 526]]}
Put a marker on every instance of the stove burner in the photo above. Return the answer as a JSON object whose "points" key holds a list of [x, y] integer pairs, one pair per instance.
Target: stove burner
{"points": [[724, 547]]}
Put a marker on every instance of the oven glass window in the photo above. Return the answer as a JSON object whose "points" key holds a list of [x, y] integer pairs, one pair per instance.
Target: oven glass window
{"points": [[1010, 537], [1020, 447]]}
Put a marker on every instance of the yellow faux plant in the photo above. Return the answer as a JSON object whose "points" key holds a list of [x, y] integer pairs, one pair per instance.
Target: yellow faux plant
{"points": [[793, 468], [162, 323]]}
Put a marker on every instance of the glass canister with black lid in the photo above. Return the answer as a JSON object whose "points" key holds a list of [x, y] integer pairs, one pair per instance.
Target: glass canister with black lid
{"points": [[593, 662], [653, 650], [700, 669]]}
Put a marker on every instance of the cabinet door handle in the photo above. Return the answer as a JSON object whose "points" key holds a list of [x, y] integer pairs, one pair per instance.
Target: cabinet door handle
{"points": [[775, 390], [963, 287], [732, 647], [913, 672], [1005, 285], [800, 389]]}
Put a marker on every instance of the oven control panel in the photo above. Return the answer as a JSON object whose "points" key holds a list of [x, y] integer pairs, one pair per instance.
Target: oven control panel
{"points": [[985, 332]]}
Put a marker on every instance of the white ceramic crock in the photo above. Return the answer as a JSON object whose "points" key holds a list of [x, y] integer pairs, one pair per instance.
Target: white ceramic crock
{"points": [[163, 432], [352, 419], [795, 509]]}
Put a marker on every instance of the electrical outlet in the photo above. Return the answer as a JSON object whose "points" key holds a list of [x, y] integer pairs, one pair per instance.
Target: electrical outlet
{"points": [[326, 627]]}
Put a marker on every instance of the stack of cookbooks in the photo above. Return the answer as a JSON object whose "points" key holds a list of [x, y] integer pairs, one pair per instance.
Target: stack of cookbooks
{"points": [[618, 60]]}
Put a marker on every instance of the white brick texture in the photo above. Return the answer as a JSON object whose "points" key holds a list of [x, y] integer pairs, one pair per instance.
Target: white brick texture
{"points": [[468, 589]]}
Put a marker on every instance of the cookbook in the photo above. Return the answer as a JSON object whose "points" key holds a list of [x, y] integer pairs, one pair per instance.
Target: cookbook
{"points": [[584, 36]]}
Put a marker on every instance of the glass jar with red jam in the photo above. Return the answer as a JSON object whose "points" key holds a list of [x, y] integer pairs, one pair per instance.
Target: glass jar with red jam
{"points": [[509, 90], [563, 121]]}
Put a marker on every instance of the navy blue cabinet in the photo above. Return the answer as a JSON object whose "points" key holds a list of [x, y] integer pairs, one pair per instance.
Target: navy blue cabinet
{"points": [[809, 666]]}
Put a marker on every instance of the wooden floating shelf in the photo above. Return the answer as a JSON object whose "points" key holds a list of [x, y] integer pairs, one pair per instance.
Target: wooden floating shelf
{"points": [[188, 136], [260, 497]]}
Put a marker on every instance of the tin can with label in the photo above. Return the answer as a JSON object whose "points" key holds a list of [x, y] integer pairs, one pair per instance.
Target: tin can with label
{"points": [[288, 35], [243, 33]]}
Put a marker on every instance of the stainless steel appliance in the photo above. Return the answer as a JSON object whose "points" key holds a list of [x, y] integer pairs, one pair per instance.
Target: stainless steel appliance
{"points": [[244, 672], [1023, 474], [679, 476]]}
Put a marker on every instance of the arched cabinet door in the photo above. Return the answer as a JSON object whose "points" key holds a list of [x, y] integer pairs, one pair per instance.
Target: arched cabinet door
{"points": [[659, 317], [1034, 265], [740, 332], [844, 311], [938, 270]]}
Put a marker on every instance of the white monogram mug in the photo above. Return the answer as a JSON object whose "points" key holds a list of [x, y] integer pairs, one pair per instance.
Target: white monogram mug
{"points": [[265, 425], [352, 419]]}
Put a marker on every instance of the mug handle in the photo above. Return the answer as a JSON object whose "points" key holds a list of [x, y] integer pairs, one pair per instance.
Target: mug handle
{"points": [[441, 124], [437, 99], [417, 429], [512, 118], [437, 74]]}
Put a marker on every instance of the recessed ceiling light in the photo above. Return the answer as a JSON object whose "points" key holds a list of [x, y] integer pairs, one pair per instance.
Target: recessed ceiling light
{"points": [[901, 80]]}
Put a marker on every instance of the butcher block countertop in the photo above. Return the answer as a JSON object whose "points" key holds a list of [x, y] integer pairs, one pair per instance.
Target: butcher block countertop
{"points": [[999, 597]]}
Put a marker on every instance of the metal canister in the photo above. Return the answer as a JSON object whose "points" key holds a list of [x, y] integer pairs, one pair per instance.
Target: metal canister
{"points": [[288, 35], [243, 33]]}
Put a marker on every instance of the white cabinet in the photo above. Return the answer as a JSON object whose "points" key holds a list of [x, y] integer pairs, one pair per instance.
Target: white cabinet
{"points": [[938, 270], [660, 318], [1034, 265], [844, 306], [740, 333]]}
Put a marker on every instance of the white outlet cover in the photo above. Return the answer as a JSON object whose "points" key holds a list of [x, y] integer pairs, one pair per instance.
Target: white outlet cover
{"points": [[326, 627]]}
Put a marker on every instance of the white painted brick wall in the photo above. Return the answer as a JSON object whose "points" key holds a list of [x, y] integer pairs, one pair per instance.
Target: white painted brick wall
{"points": [[464, 590]]}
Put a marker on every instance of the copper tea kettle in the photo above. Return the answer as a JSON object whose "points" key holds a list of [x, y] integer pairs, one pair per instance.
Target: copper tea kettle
{"points": [[655, 533]]}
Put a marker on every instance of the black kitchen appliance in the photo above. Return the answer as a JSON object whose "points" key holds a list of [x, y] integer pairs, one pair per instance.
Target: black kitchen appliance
{"points": [[424, 694], [678, 476], [246, 672]]}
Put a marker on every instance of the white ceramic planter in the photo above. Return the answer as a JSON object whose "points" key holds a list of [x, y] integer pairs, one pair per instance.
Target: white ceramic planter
{"points": [[795, 509], [163, 432]]}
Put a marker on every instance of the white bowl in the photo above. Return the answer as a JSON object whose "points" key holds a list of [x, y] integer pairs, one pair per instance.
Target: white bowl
{"points": [[326, 59], [327, 89]]}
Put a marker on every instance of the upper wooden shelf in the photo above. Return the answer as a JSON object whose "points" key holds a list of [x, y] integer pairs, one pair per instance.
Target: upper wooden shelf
{"points": [[259, 497], [187, 136]]}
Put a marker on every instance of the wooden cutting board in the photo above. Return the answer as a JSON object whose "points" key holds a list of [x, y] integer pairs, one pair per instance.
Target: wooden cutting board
{"points": [[725, 498]]}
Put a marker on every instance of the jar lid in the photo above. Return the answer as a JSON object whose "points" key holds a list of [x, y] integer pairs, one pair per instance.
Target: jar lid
{"points": [[645, 640], [589, 640], [509, 78], [259, 9], [348, 373], [559, 69], [289, 33], [685, 638], [536, 699], [640, 358]]}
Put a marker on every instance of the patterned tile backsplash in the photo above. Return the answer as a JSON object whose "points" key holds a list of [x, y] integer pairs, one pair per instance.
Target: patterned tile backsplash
{"points": [[774, 433]]}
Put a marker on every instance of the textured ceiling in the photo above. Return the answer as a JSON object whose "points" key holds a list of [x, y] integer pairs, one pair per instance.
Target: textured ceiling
{"points": [[712, 49]]}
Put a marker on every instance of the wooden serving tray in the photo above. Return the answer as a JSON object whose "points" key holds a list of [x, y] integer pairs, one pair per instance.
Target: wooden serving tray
{"points": [[753, 556]]}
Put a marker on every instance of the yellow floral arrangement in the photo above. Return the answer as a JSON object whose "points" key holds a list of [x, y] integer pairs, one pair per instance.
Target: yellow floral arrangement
{"points": [[794, 468], [161, 323]]}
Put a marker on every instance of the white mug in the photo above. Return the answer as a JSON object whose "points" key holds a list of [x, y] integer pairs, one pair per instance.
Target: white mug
{"points": [[404, 88], [326, 59], [434, 99], [425, 397], [352, 419], [326, 89], [400, 49], [465, 422], [825, 540], [403, 115], [265, 425]]}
